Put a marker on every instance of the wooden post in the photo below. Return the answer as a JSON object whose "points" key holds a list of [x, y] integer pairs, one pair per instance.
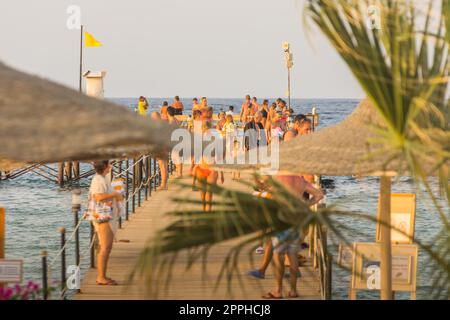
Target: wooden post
{"points": [[146, 179], [45, 292], [76, 169], [92, 251], [150, 161], [385, 233], [329, 276], [352, 294], [2, 236], [62, 231], [127, 189], [69, 170], [77, 234], [139, 168], [133, 186], [61, 173]]}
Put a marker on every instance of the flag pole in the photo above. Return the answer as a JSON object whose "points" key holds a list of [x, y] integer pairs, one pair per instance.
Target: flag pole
{"points": [[76, 164], [81, 60]]}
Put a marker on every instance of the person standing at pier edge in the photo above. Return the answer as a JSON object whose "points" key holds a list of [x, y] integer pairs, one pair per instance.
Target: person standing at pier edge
{"points": [[302, 126], [142, 106], [264, 109], [162, 163], [230, 111], [244, 109], [176, 157], [254, 133], [178, 105], [203, 103], [163, 111], [195, 105], [255, 106], [221, 121], [104, 196]]}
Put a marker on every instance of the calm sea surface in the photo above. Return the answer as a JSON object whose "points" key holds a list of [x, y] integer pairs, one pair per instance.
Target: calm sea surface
{"points": [[36, 208]]}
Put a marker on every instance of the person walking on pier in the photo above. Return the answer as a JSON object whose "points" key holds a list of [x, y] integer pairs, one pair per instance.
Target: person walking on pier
{"points": [[102, 194]]}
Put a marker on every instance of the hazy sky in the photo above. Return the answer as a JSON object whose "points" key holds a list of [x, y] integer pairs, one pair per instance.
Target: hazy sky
{"points": [[160, 48]]}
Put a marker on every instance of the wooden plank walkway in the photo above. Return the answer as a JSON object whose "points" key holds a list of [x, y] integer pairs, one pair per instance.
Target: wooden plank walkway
{"points": [[185, 284]]}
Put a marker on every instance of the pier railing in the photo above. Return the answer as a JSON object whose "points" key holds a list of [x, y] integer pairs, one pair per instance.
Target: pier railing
{"points": [[141, 176], [318, 250], [323, 261]]}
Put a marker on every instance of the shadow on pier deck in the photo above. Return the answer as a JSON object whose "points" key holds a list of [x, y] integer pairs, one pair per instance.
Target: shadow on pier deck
{"points": [[142, 225]]}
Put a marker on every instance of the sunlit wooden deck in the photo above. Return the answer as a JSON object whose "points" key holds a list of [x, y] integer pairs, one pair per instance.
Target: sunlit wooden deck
{"points": [[185, 284]]}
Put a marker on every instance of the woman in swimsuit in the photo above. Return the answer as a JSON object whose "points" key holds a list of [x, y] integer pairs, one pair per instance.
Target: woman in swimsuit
{"points": [[206, 177]]}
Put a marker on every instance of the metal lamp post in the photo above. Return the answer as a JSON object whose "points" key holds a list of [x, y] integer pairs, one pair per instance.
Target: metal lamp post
{"points": [[289, 63]]}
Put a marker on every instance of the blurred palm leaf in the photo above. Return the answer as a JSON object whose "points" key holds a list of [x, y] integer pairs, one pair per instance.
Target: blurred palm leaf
{"points": [[403, 66]]}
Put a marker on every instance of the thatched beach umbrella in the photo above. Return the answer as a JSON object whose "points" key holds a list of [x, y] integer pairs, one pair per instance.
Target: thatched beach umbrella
{"points": [[351, 148], [347, 148], [46, 122]]}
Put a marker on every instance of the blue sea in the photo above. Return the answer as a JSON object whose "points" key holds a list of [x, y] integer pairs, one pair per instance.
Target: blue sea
{"points": [[36, 207]]}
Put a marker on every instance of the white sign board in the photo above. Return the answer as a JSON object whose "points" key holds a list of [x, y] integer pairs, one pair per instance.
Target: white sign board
{"points": [[11, 270]]}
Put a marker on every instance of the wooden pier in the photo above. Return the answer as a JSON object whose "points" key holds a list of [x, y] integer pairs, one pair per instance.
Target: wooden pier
{"points": [[143, 224]]}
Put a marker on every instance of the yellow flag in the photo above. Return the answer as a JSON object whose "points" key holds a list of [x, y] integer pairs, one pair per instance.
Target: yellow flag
{"points": [[90, 41]]}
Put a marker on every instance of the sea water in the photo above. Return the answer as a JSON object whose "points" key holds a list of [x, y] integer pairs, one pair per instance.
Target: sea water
{"points": [[36, 208]]}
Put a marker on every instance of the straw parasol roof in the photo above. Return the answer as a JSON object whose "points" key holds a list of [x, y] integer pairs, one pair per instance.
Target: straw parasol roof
{"points": [[347, 148], [46, 122], [351, 147]]}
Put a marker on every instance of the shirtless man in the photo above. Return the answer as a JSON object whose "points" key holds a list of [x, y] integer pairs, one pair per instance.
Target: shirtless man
{"points": [[244, 109], [302, 126], [203, 103], [171, 112], [195, 105], [178, 105], [288, 242], [299, 185], [255, 106]]}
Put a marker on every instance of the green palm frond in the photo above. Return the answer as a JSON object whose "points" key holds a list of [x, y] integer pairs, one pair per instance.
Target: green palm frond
{"points": [[404, 68]]}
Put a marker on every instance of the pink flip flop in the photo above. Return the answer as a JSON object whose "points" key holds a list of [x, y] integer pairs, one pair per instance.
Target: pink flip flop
{"points": [[109, 282], [270, 295]]}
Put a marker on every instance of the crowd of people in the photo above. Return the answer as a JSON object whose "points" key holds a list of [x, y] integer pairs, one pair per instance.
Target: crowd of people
{"points": [[260, 124]]}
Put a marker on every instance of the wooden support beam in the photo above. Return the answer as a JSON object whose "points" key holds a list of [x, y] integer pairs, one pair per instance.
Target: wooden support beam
{"points": [[76, 169], [61, 173], [385, 233]]}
